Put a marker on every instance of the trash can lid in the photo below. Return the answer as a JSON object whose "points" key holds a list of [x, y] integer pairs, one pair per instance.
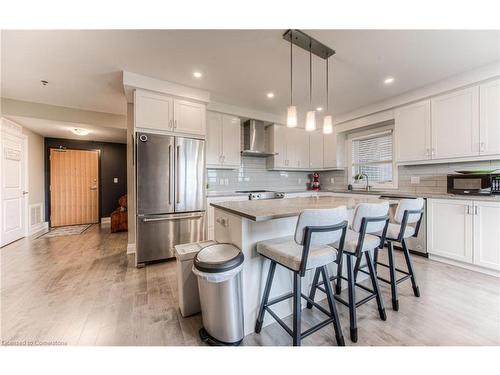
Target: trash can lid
{"points": [[217, 258], [189, 250]]}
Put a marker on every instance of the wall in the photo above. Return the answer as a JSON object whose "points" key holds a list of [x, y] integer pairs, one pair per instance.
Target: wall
{"points": [[253, 175], [36, 184], [432, 176], [130, 175], [113, 163]]}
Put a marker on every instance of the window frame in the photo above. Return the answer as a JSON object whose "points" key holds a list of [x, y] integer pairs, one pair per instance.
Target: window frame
{"points": [[365, 134]]}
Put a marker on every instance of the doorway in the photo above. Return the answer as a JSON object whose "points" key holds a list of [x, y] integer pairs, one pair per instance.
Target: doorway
{"points": [[74, 187]]}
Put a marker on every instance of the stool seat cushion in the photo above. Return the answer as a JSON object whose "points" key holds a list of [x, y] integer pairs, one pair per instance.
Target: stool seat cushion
{"points": [[351, 242], [288, 253], [394, 229]]}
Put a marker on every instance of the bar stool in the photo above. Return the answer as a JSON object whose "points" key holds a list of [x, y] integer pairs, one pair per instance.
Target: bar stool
{"points": [[308, 249], [368, 218], [409, 211]]}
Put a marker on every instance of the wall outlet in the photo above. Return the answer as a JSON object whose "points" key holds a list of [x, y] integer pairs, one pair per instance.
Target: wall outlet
{"points": [[115, 180], [332, 180], [299, 181], [415, 179]]}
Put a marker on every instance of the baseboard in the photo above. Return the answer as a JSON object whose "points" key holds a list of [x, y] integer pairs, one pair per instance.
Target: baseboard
{"points": [[131, 248], [105, 220], [37, 228], [468, 266]]}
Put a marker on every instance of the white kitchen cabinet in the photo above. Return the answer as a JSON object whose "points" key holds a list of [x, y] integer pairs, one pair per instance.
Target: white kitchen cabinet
{"points": [[277, 137], [223, 141], [489, 118], [316, 150], [449, 228], [211, 212], [298, 149], [487, 234], [189, 117], [455, 124], [330, 151], [412, 132], [153, 111]]}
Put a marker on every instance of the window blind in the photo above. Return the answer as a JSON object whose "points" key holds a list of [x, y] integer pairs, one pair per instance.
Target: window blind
{"points": [[373, 156]]}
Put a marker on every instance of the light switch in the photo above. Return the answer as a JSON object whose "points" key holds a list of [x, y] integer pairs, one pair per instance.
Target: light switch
{"points": [[115, 180], [415, 179]]}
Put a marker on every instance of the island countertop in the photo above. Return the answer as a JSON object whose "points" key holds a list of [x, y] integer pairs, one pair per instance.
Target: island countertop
{"points": [[268, 209]]}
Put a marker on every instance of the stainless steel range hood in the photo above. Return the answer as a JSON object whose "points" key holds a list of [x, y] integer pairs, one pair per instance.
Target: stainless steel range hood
{"points": [[254, 139]]}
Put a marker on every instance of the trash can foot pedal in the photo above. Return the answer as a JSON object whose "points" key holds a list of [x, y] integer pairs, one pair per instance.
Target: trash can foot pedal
{"points": [[212, 341]]}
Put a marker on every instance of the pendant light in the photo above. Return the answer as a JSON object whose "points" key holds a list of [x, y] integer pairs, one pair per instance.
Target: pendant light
{"points": [[327, 120], [311, 115], [291, 115]]}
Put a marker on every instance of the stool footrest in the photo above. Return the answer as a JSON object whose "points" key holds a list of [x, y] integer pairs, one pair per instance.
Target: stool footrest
{"points": [[397, 281], [279, 299], [359, 303], [397, 269]]}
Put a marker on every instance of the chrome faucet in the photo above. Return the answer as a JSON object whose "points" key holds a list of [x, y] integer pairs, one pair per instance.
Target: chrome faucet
{"points": [[367, 184]]}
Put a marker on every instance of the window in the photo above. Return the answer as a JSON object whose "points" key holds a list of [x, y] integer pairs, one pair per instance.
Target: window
{"points": [[371, 154]]}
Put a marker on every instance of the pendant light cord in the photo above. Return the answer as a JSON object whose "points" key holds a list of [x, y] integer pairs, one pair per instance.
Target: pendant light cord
{"points": [[327, 101], [310, 73], [291, 68]]}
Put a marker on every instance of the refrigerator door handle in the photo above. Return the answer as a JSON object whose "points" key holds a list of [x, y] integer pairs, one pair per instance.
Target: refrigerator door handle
{"points": [[177, 177], [177, 217]]}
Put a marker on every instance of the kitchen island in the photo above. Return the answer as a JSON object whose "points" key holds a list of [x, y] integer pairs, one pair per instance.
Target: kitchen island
{"points": [[244, 223]]}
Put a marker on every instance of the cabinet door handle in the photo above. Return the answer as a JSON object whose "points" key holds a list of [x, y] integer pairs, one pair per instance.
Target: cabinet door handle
{"points": [[175, 124], [468, 210], [481, 146], [475, 210], [170, 124]]}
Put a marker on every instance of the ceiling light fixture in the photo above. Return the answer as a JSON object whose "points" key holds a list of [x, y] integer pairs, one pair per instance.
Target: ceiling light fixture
{"points": [[319, 109], [388, 80], [270, 95], [291, 115], [197, 75], [311, 115], [80, 131]]}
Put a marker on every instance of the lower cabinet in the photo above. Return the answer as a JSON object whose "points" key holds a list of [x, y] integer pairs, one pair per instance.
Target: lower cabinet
{"points": [[211, 212], [464, 230]]}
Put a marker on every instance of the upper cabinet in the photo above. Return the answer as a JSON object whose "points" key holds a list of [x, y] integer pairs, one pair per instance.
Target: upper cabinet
{"points": [[223, 141], [277, 144], [316, 154], [412, 125], [163, 113], [153, 111], [455, 124], [489, 118], [330, 160]]}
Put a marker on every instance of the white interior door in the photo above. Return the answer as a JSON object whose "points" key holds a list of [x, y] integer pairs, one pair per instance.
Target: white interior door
{"points": [[13, 189]]}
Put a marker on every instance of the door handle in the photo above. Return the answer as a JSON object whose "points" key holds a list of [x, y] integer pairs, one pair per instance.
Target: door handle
{"points": [[177, 187], [475, 210], [25, 192], [147, 220], [170, 163], [93, 188]]}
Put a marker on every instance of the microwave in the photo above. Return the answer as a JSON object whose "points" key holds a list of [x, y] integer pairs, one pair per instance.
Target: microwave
{"points": [[474, 184]]}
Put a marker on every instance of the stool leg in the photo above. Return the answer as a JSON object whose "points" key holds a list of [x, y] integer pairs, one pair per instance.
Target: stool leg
{"points": [[392, 272], [409, 264], [356, 267], [338, 281], [376, 288], [265, 297], [352, 299], [312, 293], [297, 309], [375, 259], [333, 310]]}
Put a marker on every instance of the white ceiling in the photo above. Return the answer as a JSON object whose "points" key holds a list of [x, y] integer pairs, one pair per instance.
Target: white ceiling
{"points": [[59, 129], [239, 66]]}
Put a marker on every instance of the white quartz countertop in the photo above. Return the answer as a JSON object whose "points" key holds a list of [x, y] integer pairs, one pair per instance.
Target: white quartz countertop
{"points": [[262, 210]]}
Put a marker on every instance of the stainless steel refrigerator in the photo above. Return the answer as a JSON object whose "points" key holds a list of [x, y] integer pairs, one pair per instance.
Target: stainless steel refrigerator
{"points": [[170, 194]]}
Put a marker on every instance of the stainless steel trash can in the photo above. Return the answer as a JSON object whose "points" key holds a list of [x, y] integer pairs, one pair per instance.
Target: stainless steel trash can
{"points": [[218, 268]]}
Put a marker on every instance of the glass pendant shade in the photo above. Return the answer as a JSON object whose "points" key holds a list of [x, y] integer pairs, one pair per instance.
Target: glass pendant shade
{"points": [[311, 121], [327, 125], [291, 118]]}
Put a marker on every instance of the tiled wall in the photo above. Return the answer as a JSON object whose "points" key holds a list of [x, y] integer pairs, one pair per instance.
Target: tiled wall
{"points": [[253, 175], [432, 176]]}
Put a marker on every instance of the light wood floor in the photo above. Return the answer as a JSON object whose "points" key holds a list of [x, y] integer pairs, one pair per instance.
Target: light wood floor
{"points": [[85, 290]]}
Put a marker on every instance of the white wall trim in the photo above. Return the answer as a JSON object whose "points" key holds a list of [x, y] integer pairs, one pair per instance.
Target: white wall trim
{"points": [[106, 220], [131, 248], [133, 81], [41, 227], [469, 78]]}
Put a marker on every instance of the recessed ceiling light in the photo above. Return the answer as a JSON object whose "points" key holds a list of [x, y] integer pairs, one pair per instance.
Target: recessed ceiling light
{"points": [[388, 80], [319, 109], [270, 95], [80, 131], [197, 75]]}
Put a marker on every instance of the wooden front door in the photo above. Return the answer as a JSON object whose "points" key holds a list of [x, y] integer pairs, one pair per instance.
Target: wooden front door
{"points": [[74, 187]]}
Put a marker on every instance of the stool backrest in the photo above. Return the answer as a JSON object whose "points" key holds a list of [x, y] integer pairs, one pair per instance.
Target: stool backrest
{"points": [[409, 205], [370, 210], [320, 218]]}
